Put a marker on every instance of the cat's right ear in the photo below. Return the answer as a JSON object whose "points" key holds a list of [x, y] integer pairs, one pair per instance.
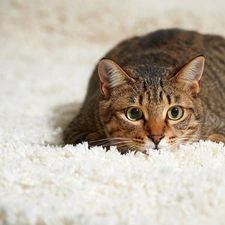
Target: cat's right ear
{"points": [[111, 75]]}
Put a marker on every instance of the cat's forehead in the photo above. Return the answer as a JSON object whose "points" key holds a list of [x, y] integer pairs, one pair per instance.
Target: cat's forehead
{"points": [[150, 72], [156, 91], [152, 78]]}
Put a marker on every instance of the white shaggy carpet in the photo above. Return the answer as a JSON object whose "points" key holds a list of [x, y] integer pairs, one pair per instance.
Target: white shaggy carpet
{"points": [[47, 52]]}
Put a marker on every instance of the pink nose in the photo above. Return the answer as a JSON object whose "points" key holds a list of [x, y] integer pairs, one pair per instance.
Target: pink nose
{"points": [[156, 138]]}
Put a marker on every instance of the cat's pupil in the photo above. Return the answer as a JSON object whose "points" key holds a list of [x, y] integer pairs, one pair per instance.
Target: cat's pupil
{"points": [[135, 113], [175, 112]]}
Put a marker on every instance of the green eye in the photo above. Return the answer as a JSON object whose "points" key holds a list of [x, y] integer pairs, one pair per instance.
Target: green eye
{"points": [[133, 113], [175, 113]]}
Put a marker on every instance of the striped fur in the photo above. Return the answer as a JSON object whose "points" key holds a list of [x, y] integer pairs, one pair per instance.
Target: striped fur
{"points": [[154, 73]]}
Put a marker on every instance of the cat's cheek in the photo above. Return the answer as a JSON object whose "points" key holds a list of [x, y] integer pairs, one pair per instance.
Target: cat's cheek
{"points": [[120, 126]]}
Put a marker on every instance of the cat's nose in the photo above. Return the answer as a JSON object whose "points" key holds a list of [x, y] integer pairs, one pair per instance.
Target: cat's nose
{"points": [[156, 138]]}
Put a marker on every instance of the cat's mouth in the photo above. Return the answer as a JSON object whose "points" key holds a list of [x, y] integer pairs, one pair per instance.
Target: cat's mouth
{"points": [[156, 144]]}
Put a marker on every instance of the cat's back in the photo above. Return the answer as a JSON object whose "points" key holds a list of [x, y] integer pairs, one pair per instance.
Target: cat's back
{"points": [[170, 47]]}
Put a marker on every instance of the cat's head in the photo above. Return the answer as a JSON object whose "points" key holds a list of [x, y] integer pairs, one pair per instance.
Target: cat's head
{"points": [[150, 110]]}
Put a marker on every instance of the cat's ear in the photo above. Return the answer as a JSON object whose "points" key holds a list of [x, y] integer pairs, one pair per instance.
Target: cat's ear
{"points": [[190, 75], [111, 75]]}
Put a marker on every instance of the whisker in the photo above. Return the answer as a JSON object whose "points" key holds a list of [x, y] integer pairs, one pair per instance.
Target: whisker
{"points": [[121, 142], [107, 139]]}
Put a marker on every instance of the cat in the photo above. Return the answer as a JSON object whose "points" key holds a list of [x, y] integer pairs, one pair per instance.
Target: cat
{"points": [[155, 91]]}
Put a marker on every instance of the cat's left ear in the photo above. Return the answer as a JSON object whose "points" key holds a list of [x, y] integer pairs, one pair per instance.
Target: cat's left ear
{"points": [[190, 75], [111, 75]]}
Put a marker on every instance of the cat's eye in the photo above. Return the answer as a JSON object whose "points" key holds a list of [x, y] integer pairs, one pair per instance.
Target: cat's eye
{"points": [[133, 113], [175, 113]]}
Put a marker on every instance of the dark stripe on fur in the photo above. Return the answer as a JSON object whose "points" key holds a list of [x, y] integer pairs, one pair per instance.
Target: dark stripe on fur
{"points": [[168, 99], [140, 99]]}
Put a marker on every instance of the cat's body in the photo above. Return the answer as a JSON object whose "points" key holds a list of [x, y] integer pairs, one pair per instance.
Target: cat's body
{"points": [[145, 93]]}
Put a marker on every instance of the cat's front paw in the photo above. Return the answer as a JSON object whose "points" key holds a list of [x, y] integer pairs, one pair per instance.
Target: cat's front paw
{"points": [[217, 138]]}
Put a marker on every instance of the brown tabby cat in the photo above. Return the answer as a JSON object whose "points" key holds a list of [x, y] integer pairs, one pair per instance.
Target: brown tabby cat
{"points": [[149, 92]]}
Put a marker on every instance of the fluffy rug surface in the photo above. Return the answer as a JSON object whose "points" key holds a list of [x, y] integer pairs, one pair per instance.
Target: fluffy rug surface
{"points": [[48, 51]]}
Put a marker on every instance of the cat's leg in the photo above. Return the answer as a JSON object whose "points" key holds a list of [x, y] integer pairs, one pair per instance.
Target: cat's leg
{"points": [[76, 136], [214, 127], [216, 137], [82, 130]]}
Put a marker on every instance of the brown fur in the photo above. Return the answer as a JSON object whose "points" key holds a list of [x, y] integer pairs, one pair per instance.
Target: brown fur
{"points": [[154, 73]]}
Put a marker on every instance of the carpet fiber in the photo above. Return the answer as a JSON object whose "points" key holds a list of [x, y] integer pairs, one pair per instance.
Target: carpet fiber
{"points": [[48, 50]]}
